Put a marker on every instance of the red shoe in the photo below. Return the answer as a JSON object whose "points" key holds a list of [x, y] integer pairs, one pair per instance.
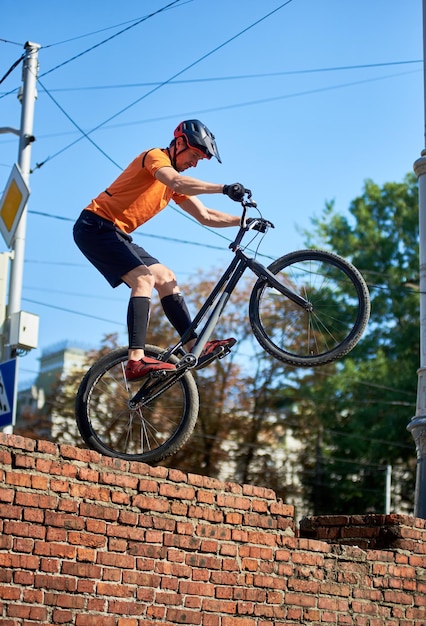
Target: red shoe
{"points": [[214, 349], [139, 369]]}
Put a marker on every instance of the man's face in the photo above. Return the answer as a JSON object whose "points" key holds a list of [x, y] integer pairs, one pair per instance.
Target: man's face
{"points": [[186, 157]]}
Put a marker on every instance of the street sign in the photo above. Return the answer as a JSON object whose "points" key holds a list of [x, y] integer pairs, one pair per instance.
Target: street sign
{"points": [[7, 392], [12, 204]]}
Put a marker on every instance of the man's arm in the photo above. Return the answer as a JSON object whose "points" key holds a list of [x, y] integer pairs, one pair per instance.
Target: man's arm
{"points": [[208, 217], [185, 184]]}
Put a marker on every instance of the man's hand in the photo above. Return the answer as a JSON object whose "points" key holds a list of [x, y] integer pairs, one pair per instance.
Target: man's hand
{"points": [[235, 192]]}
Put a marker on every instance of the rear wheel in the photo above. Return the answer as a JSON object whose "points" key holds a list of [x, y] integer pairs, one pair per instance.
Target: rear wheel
{"points": [[157, 428]]}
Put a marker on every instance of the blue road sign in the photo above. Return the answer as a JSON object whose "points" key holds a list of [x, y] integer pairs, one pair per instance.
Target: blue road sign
{"points": [[7, 392]]}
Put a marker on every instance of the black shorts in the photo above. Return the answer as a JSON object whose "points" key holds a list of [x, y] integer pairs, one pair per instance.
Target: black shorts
{"points": [[108, 248]]}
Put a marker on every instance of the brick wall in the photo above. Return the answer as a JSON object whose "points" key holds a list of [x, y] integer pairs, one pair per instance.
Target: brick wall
{"points": [[93, 541]]}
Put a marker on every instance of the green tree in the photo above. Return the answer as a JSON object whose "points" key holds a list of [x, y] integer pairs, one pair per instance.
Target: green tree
{"points": [[361, 405]]}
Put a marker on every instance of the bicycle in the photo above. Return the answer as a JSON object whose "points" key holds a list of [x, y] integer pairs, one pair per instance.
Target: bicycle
{"points": [[307, 308]]}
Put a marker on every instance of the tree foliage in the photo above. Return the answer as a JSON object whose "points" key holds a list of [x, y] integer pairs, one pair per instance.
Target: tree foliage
{"points": [[363, 404]]}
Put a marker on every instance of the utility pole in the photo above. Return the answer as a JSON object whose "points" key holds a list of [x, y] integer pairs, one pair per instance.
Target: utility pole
{"points": [[30, 71], [18, 329], [417, 425]]}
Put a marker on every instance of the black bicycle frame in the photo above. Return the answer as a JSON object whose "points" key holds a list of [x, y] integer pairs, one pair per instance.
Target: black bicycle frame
{"points": [[226, 286], [219, 296]]}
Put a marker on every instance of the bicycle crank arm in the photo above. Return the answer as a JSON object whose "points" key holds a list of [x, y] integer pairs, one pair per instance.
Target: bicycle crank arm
{"points": [[158, 382]]}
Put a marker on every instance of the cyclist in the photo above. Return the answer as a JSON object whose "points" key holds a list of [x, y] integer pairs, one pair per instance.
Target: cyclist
{"points": [[145, 187]]}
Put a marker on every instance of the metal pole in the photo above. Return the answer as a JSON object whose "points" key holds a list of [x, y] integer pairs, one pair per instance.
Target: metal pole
{"points": [[29, 79], [417, 426], [388, 489]]}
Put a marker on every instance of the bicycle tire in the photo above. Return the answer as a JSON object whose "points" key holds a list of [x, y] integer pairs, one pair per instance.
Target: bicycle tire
{"points": [[148, 434], [340, 309]]}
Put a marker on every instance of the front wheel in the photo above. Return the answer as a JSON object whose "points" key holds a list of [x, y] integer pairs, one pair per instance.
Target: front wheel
{"points": [[155, 429], [327, 330]]}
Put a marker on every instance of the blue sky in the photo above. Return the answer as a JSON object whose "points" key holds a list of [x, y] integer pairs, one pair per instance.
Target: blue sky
{"points": [[307, 100]]}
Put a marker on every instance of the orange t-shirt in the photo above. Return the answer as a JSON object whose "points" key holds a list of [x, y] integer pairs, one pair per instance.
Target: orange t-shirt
{"points": [[136, 195]]}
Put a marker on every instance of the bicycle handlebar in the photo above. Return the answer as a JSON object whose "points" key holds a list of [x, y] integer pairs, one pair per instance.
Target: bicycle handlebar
{"points": [[254, 223]]}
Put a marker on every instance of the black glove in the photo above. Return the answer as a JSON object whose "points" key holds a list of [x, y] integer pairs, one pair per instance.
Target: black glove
{"points": [[235, 192]]}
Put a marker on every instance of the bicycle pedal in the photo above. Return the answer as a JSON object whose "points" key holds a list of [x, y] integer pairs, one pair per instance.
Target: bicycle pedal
{"points": [[225, 351], [161, 373]]}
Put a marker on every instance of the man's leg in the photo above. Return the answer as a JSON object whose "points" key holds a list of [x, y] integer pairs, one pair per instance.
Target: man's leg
{"points": [[177, 313], [172, 301], [141, 282]]}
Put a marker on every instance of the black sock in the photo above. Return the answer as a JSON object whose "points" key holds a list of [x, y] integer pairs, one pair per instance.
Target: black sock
{"points": [[177, 313], [137, 321]]}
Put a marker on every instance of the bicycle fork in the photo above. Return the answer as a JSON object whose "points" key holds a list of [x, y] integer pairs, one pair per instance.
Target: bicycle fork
{"points": [[262, 272]]}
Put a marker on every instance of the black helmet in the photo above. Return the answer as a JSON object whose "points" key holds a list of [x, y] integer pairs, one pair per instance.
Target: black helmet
{"points": [[198, 137]]}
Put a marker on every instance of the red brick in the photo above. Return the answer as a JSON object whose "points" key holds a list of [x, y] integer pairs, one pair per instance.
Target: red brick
{"points": [[47, 447], [233, 502], [181, 492], [24, 529], [51, 548], [88, 474], [62, 520], [114, 590], [121, 561], [177, 476], [39, 482], [86, 619], [16, 441], [81, 570], [90, 492], [18, 479], [9, 511], [183, 616], [87, 539], [6, 495], [99, 511], [9, 593], [147, 503], [61, 486], [60, 616]]}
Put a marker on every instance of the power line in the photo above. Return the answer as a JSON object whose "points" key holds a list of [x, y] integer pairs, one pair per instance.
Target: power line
{"points": [[12, 67], [15, 43], [59, 308], [162, 84], [234, 77], [215, 109], [139, 21], [101, 43], [162, 237], [106, 155], [221, 248], [240, 76], [101, 30]]}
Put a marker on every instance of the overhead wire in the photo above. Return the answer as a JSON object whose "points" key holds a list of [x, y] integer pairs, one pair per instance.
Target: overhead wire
{"points": [[74, 123], [104, 41], [133, 24], [86, 134], [12, 67], [165, 82], [101, 30], [228, 240], [211, 79]]}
